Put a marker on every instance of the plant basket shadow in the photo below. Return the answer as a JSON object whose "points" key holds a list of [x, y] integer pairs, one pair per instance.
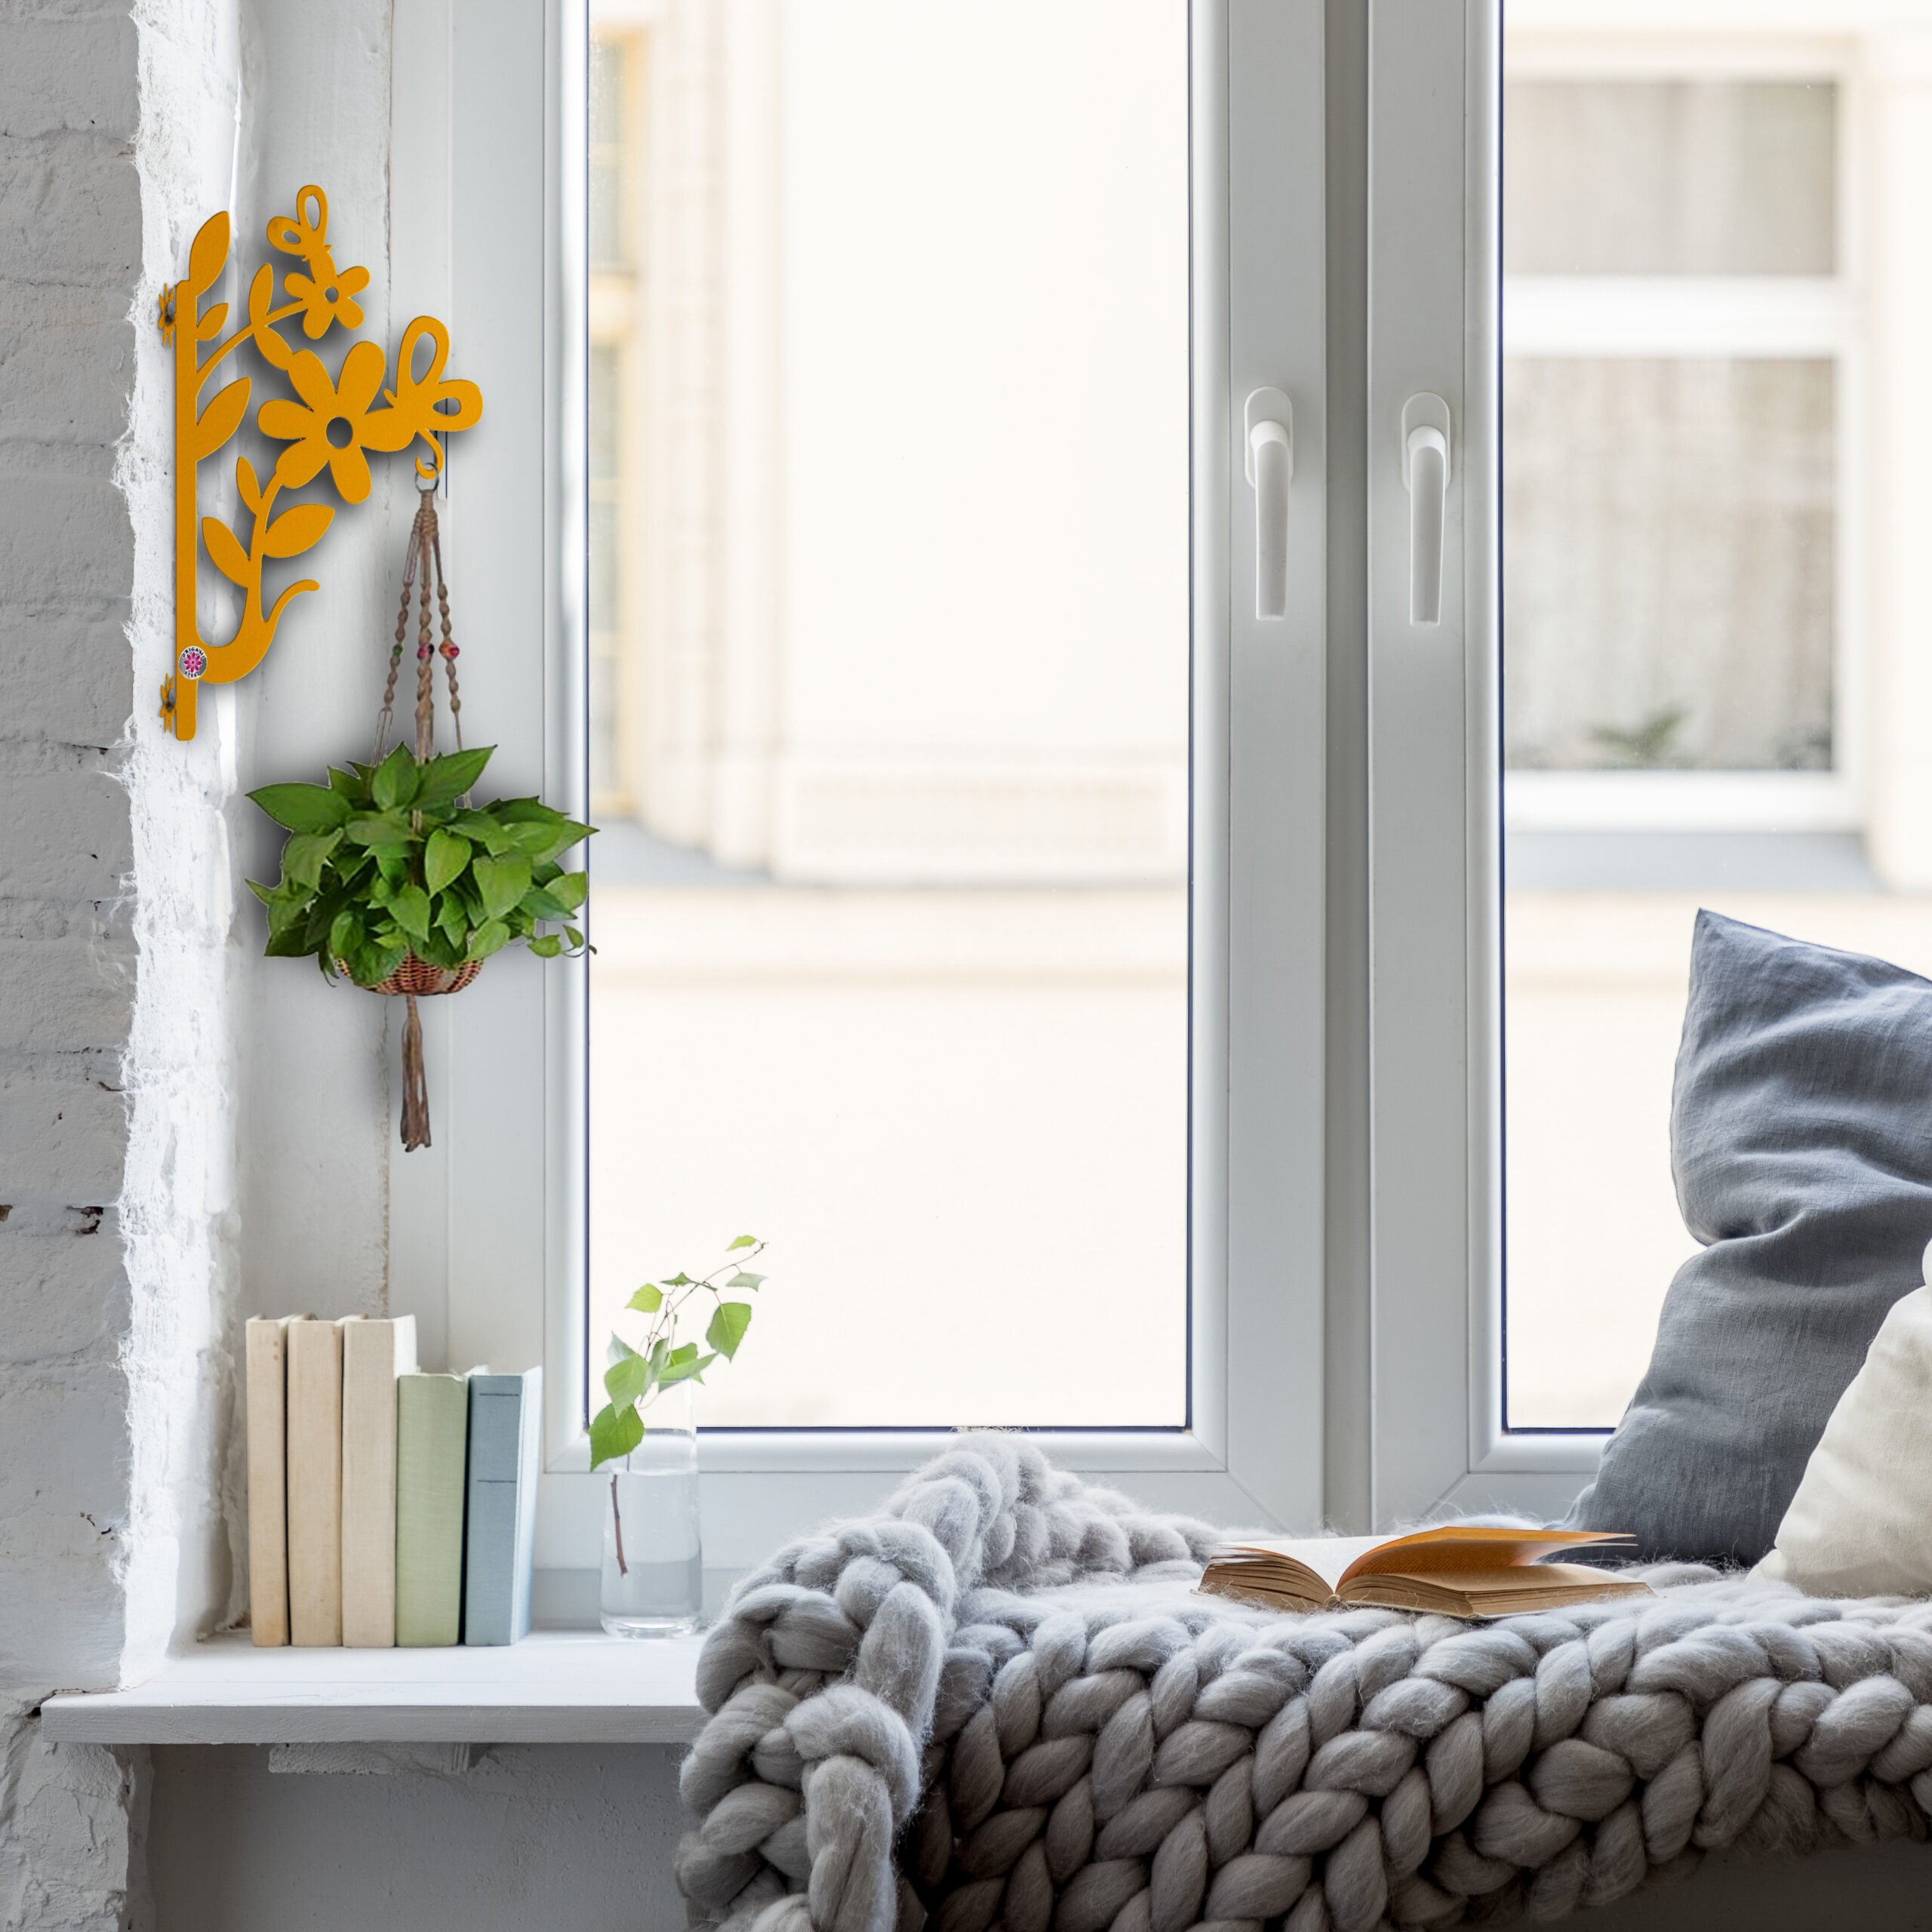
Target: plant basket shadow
{"points": [[393, 879]]}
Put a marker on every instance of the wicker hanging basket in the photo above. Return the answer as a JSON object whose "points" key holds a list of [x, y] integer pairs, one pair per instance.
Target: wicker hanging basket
{"points": [[417, 979]]}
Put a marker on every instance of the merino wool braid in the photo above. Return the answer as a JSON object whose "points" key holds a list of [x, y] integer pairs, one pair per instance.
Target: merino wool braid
{"points": [[998, 1704]]}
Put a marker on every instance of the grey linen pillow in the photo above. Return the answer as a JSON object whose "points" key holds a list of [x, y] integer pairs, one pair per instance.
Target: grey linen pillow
{"points": [[1801, 1137]]}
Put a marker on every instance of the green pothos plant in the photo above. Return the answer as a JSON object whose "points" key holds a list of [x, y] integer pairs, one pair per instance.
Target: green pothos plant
{"points": [[636, 1376], [391, 858]]}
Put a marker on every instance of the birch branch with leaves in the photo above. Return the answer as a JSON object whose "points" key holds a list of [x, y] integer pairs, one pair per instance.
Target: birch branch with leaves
{"points": [[635, 1377]]}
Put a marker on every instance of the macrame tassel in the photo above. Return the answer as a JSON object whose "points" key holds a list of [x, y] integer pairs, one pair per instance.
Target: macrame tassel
{"points": [[415, 1084]]}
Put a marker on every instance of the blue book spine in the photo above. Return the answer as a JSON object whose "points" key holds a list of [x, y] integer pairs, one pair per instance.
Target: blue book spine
{"points": [[506, 1419]]}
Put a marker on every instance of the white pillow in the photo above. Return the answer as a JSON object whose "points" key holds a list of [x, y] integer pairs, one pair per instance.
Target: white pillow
{"points": [[1861, 1523]]}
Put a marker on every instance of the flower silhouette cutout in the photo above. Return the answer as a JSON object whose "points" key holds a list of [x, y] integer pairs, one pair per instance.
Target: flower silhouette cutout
{"points": [[326, 295], [333, 423], [327, 298]]}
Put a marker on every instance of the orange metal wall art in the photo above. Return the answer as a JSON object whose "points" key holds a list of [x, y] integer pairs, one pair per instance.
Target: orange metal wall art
{"points": [[325, 422]]}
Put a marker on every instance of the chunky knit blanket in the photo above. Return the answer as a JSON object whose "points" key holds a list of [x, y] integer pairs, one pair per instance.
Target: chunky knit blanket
{"points": [[1000, 1703]]}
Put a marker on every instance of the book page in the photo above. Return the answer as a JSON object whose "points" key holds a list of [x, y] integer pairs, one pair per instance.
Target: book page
{"points": [[1458, 1548], [1328, 1557]]}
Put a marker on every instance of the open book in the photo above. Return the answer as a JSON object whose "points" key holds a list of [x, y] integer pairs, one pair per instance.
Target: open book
{"points": [[1458, 1570]]}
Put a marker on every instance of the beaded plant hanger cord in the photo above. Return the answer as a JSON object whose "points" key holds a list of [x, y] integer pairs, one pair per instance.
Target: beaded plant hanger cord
{"points": [[415, 978]]}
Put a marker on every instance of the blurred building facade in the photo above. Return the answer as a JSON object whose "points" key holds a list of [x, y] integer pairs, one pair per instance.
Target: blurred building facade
{"points": [[890, 650]]}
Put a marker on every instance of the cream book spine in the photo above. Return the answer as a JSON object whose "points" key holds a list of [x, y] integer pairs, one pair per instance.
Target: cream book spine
{"points": [[315, 1483], [374, 1353], [266, 1369]]}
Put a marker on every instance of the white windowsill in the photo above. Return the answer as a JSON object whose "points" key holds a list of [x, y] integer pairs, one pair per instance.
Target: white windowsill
{"points": [[557, 1687]]}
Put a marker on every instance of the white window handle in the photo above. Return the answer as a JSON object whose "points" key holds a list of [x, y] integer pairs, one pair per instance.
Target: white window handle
{"points": [[1269, 421], [1426, 477]]}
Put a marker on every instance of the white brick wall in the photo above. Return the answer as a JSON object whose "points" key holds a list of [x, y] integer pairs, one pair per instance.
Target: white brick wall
{"points": [[114, 1066]]}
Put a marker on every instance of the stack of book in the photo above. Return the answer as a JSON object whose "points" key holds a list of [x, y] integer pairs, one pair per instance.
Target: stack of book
{"points": [[385, 1506]]}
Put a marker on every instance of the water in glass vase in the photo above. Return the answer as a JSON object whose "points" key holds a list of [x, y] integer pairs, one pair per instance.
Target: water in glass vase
{"points": [[652, 1583]]}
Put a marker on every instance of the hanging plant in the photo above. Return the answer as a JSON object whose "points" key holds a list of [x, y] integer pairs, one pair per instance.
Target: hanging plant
{"points": [[389, 864], [391, 877]]}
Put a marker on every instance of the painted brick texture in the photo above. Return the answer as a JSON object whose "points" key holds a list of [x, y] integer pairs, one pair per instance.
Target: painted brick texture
{"points": [[110, 1249]]}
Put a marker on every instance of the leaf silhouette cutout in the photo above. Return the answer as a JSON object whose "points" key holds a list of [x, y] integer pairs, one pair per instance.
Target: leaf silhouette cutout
{"points": [[208, 254], [229, 557], [246, 482], [297, 529], [261, 294], [221, 418], [210, 325]]}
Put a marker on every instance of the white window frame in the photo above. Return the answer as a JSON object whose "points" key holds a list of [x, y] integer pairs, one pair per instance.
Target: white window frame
{"points": [[487, 1227], [1345, 1232]]}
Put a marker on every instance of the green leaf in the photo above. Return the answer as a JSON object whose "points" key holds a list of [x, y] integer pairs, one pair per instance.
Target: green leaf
{"points": [[743, 1280], [390, 833], [647, 1301], [303, 856], [374, 963], [502, 882], [687, 1370], [527, 812], [261, 892], [536, 841], [411, 910], [322, 914], [729, 1321], [546, 947], [287, 909], [568, 889], [453, 920], [443, 858], [481, 830], [679, 1280], [614, 1432], [626, 1380], [440, 950], [744, 1240], [616, 1349], [540, 905], [346, 937], [303, 807], [446, 779], [575, 937], [396, 779], [347, 785], [288, 943], [491, 937]]}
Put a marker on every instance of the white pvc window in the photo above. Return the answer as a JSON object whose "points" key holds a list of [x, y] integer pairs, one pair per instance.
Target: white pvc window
{"points": [[1267, 851], [974, 953]]}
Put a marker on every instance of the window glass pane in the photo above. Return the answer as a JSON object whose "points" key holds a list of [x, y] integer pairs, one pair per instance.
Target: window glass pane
{"points": [[610, 138], [892, 962], [1701, 650], [1678, 177], [1668, 554]]}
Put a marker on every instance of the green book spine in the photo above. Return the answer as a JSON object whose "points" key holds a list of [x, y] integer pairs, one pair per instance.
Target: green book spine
{"points": [[432, 1423]]}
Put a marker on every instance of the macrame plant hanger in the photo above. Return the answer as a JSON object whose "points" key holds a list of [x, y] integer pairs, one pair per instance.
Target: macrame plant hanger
{"points": [[417, 978]]}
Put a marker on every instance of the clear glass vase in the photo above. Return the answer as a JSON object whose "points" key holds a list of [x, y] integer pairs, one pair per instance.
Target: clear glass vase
{"points": [[652, 1583]]}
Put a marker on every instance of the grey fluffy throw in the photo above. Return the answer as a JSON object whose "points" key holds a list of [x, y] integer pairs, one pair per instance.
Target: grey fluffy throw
{"points": [[999, 1703]]}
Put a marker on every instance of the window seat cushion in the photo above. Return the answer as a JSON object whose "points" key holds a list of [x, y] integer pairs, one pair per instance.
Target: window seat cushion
{"points": [[1000, 1703]]}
